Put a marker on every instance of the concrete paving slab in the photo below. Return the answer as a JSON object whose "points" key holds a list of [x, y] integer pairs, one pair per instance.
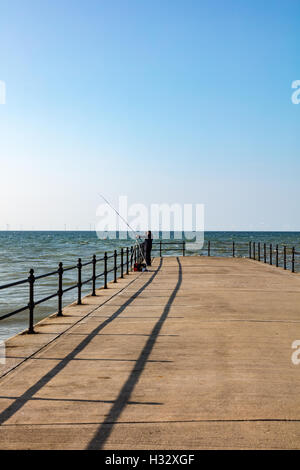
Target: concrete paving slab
{"points": [[195, 354]]}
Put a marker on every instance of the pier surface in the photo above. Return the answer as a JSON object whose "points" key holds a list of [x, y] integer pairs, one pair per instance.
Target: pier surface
{"points": [[194, 354]]}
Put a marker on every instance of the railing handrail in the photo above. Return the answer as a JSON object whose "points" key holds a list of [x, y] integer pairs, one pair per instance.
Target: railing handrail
{"points": [[126, 255], [162, 242], [31, 279]]}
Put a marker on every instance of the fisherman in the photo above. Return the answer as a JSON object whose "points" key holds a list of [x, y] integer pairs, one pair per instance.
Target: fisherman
{"points": [[147, 246]]}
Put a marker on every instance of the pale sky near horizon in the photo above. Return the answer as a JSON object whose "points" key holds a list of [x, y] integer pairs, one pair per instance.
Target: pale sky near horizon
{"points": [[164, 101]]}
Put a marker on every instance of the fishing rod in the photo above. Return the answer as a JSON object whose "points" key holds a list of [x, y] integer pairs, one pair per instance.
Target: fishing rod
{"points": [[124, 220]]}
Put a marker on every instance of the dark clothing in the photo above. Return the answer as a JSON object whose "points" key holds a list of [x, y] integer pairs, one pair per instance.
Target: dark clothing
{"points": [[147, 245]]}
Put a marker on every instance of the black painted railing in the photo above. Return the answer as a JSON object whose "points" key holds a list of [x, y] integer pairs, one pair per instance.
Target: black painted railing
{"points": [[161, 246], [118, 262], [225, 248], [277, 255]]}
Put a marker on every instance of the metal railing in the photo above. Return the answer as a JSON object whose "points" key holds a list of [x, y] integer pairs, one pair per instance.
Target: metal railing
{"points": [[225, 248], [121, 262], [277, 255], [164, 246]]}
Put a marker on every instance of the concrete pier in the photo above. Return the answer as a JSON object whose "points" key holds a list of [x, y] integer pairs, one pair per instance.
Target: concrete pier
{"points": [[194, 354]]}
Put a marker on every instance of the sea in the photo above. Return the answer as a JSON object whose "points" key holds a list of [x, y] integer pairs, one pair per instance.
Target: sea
{"points": [[43, 250]]}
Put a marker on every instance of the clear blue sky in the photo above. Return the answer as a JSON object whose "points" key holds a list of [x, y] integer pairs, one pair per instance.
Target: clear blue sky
{"points": [[162, 100]]}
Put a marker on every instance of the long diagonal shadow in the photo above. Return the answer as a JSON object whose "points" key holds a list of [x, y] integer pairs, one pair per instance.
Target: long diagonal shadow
{"points": [[104, 431], [28, 394]]}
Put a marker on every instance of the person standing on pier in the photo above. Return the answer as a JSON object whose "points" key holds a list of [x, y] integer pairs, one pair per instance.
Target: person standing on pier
{"points": [[147, 245]]}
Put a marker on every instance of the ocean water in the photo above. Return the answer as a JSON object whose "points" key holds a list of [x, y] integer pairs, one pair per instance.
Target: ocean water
{"points": [[42, 251]]}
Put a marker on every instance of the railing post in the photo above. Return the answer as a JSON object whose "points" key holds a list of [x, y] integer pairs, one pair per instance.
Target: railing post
{"points": [[293, 259], [115, 266], [160, 248], [127, 260], [258, 251], [94, 276], [31, 279], [271, 259], [131, 257], [254, 247], [122, 263], [277, 256], [233, 250], [183, 248], [250, 249], [208, 248], [105, 270], [79, 267], [60, 289], [265, 253], [284, 257]]}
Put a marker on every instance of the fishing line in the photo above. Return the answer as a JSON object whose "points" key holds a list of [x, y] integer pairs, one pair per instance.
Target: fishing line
{"points": [[124, 220]]}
